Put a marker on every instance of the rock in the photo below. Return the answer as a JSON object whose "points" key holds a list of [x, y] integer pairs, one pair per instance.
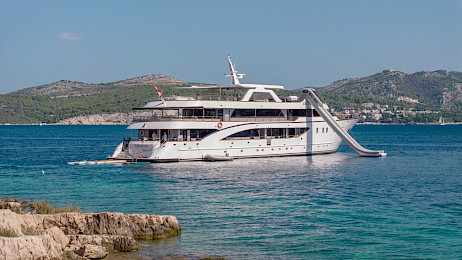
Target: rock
{"points": [[105, 223], [58, 235], [112, 243], [11, 204], [79, 235], [153, 227], [69, 254], [29, 247], [92, 252]]}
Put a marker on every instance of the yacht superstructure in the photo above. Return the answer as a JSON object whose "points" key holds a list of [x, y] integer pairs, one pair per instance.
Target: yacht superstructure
{"points": [[231, 125]]}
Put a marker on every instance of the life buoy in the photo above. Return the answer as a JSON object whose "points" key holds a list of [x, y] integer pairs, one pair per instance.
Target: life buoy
{"points": [[142, 132], [219, 125]]}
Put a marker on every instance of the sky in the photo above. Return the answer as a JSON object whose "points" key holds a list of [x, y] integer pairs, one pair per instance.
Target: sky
{"points": [[292, 43]]}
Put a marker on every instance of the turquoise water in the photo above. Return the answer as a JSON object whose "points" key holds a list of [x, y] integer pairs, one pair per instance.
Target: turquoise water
{"points": [[337, 206]]}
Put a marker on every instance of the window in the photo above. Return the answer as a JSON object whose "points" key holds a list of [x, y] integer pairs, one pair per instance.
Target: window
{"points": [[270, 133], [269, 112], [197, 134], [243, 113], [298, 112], [291, 132], [275, 132], [247, 134]]}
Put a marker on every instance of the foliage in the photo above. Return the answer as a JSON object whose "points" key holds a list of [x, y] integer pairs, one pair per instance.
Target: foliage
{"points": [[23, 109], [5, 232], [41, 207], [427, 87], [29, 231]]}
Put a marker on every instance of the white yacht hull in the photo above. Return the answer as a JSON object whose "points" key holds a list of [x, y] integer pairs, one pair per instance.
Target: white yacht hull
{"points": [[318, 139]]}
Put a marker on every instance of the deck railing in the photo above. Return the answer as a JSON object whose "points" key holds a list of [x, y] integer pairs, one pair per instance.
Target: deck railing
{"points": [[175, 118], [210, 118]]}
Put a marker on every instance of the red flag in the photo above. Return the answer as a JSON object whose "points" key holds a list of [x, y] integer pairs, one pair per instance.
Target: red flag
{"points": [[159, 91]]}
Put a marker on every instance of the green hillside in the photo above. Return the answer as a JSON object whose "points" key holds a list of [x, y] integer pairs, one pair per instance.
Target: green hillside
{"points": [[437, 90], [25, 109], [428, 93]]}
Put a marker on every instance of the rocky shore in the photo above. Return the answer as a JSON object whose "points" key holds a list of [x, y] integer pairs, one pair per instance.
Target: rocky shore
{"points": [[75, 235], [100, 119]]}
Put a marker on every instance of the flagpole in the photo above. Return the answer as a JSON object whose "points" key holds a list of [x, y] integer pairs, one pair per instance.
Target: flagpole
{"points": [[159, 92]]}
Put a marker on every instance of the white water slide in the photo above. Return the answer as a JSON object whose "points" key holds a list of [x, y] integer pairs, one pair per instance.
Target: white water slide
{"points": [[315, 101]]}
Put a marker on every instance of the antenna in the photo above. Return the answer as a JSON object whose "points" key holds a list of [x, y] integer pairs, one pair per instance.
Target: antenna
{"points": [[234, 75]]}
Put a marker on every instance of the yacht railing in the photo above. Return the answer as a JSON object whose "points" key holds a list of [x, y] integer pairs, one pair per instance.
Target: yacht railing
{"points": [[174, 118], [211, 119]]}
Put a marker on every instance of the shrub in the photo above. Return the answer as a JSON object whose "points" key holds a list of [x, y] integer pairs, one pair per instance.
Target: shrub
{"points": [[29, 231], [41, 207], [5, 232]]}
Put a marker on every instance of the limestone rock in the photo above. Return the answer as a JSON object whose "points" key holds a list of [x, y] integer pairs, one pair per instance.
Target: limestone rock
{"points": [[29, 247], [11, 204], [105, 223], [92, 252], [110, 242], [153, 227], [58, 235], [79, 235]]}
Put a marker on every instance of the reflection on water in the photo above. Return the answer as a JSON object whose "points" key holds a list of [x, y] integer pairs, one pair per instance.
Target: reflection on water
{"points": [[254, 166]]}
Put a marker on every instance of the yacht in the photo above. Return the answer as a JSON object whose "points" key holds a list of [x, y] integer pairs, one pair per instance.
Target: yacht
{"points": [[235, 121]]}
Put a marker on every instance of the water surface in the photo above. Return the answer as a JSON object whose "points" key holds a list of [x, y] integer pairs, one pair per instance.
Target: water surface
{"points": [[406, 205]]}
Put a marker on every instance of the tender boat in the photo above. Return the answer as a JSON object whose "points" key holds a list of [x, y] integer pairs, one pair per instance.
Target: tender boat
{"points": [[236, 121]]}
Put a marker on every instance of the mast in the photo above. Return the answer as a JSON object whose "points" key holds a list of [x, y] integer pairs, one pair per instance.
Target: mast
{"points": [[234, 75]]}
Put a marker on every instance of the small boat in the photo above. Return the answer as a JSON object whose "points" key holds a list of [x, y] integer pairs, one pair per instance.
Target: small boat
{"points": [[441, 121], [215, 158]]}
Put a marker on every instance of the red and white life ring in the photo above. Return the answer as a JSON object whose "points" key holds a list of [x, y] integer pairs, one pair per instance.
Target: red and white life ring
{"points": [[219, 125]]}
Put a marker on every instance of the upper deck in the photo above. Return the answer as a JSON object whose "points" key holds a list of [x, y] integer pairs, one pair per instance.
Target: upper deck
{"points": [[235, 102]]}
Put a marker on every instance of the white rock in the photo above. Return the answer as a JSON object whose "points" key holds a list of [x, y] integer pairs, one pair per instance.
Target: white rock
{"points": [[29, 247], [58, 235]]}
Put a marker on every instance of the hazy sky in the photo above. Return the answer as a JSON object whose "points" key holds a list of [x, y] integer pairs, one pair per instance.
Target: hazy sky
{"points": [[292, 43]]}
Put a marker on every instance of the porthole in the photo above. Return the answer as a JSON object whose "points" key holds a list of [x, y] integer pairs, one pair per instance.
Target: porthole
{"points": [[242, 151]]}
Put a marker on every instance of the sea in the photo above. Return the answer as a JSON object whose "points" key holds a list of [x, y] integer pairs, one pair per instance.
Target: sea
{"points": [[407, 205]]}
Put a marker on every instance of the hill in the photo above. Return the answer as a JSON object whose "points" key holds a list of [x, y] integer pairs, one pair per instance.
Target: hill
{"points": [[51, 103], [66, 88], [398, 94], [437, 90]]}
